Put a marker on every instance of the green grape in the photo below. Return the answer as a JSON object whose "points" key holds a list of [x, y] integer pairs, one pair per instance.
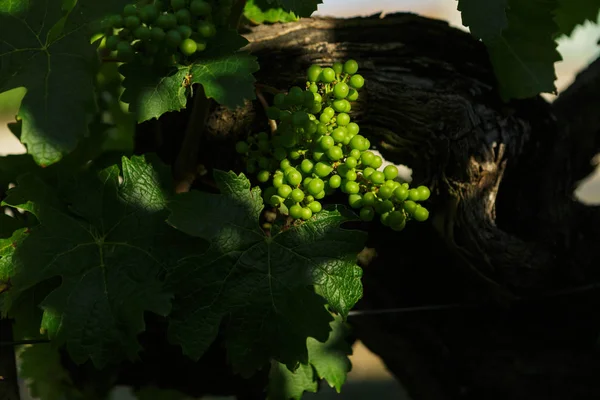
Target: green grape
{"points": [[320, 195], [313, 73], [207, 29], [201, 45], [400, 227], [295, 211], [357, 81], [129, 10], [342, 170], [275, 200], [315, 187], [335, 181], [329, 111], [366, 158], [285, 116], [306, 213], [322, 170], [351, 187], [350, 67], [367, 214], [346, 106], [284, 191], [369, 199], [368, 171], [169, 22], [326, 143], [318, 155], [295, 96], [335, 153], [183, 17], [125, 52], [178, 4], [327, 75], [306, 166], [340, 90], [352, 95], [309, 98], [309, 199], [313, 88], [149, 13], [337, 67], [311, 128], [321, 128], [297, 195], [343, 119], [386, 206], [410, 206], [273, 112], [355, 153], [420, 214], [116, 21], [173, 38], [263, 176], [351, 175], [324, 118], [294, 155], [377, 162], [278, 181], [390, 172], [142, 33], [339, 105], [285, 164], [294, 177], [315, 206], [377, 177], [279, 100], [187, 46], [317, 98], [424, 193], [385, 192], [112, 42], [396, 218], [307, 180], [200, 8], [391, 183], [413, 194], [355, 200], [299, 119], [358, 142], [351, 162], [132, 22], [157, 34]]}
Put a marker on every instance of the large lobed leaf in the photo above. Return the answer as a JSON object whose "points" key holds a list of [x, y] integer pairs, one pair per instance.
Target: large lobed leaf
{"points": [[302, 8], [571, 13], [47, 50], [260, 287], [108, 243]]}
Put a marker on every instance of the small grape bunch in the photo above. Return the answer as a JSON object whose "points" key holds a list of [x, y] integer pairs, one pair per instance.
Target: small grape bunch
{"points": [[317, 150], [160, 30]]}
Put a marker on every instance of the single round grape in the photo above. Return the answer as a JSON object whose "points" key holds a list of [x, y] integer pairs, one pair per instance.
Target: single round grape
{"points": [[313, 73], [390, 172], [351, 162], [200, 8], [366, 158], [343, 119], [324, 118], [183, 16], [320, 195], [142, 33], [350, 67], [116, 21], [273, 112], [299, 119], [315, 186], [285, 164], [306, 166], [275, 200], [295, 96], [173, 38], [284, 191], [335, 153], [318, 155], [355, 153], [357, 142], [327, 75], [322, 170], [125, 52], [148, 13], [340, 90], [129, 10], [306, 213], [112, 42], [420, 214], [396, 218], [377, 177], [351, 175], [294, 177], [157, 34], [313, 88], [368, 171], [207, 29], [317, 98], [351, 187], [337, 67], [326, 143], [356, 81], [296, 211], [178, 4], [321, 129], [413, 194], [385, 192], [315, 206], [367, 214], [278, 181], [369, 199], [400, 227], [294, 155], [132, 22], [339, 105], [410, 206], [187, 46], [201, 45], [346, 105], [285, 116], [386, 206], [166, 21], [307, 180], [377, 162], [352, 95], [391, 183], [335, 181], [309, 98], [297, 195], [263, 176], [355, 200], [311, 128], [424, 193], [329, 111]]}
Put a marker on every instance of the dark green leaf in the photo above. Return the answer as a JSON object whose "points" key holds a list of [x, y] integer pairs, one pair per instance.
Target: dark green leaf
{"points": [[486, 19], [262, 284], [302, 8], [257, 16], [571, 13], [285, 384]]}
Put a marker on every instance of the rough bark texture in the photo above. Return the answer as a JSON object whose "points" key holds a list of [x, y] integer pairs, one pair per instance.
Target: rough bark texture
{"points": [[506, 237]]}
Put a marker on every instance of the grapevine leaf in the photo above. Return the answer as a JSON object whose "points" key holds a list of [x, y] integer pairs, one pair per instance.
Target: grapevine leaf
{"points": [[257, 16], [8, 225], [261, 283], [285, 384], [523, 56], [302, 8], [47, 50], [571, 13], [108, 243], [486, 19]]}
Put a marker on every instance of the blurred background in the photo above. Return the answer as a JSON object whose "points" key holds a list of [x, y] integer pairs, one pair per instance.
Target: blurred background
{"points": [[369, 379]]}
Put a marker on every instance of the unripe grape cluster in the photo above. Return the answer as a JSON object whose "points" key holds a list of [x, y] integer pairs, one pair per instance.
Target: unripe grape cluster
{"points": [[164, 29], [317, 150]]}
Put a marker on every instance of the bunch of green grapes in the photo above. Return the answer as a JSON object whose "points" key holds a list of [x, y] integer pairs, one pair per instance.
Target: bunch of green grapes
{"points": [[317, 150], [160, 29]]}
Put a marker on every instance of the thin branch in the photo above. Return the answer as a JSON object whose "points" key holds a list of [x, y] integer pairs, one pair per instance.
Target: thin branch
{"points": [[265, 105]]}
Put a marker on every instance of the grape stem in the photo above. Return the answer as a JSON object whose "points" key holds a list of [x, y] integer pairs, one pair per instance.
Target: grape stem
{"points": [[265, 105]]}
